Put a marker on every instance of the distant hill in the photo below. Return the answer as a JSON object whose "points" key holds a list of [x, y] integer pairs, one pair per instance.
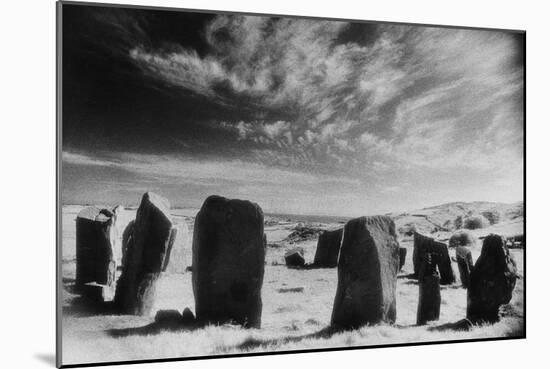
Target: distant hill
{"points": [[481, 217]]}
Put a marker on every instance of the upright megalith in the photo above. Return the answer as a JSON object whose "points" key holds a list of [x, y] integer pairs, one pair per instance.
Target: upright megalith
{"points": [[492, 281], [465, 264], [328, 247], [367, 273], [180, 249], [95, 256], [402, 257], [145, 257], [462, 241], [424, 245], [228, 262], [429, 296], [444, 264], [126, 238]]}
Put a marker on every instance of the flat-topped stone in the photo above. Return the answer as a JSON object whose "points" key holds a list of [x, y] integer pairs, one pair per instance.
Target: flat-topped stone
{"points": [[424, 245], [328, 248], [228, 262], [95, 242]]}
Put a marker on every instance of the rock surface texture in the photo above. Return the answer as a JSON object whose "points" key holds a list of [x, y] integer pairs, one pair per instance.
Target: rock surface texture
{"points": [[465, 265], [492, 281], [429, 296], [295, 257], [146, 255], [424, 245], [95, 242], [228, 262], [328, 248], [367, 273]]}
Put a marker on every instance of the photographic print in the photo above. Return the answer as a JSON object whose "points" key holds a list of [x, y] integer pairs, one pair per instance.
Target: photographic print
{"points": [[242, 184]]}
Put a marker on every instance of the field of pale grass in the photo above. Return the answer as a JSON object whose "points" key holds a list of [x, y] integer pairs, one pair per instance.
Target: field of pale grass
{"points": [[297, 306]]}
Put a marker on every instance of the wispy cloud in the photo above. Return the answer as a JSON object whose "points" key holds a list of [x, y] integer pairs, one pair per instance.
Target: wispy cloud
{"points": [[167, 168], [415, 96], [367, 113]]}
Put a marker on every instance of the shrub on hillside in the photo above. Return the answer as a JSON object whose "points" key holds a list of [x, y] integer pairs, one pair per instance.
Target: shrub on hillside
{"points": [[475, 222]]}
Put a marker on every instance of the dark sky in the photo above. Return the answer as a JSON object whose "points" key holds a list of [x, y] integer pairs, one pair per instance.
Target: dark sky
{"points": [[302, 116]]}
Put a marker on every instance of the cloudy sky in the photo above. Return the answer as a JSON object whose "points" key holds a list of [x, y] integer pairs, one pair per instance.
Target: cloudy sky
{"points": [[302, 116]]}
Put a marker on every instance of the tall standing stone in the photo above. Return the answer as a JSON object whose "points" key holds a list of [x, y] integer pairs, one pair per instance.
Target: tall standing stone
{"points": [[228, 262], [446, 271], [147, 251], [429, 297], [328, 247], [127, 235], [367, 273], [95, 260], [424, 245], [465, 264], [492, 280], [180, 249]]}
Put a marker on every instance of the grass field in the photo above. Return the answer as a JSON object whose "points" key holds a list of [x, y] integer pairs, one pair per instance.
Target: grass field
{"points": [[293, 318]]}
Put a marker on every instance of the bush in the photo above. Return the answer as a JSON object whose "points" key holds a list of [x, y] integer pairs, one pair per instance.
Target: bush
{"points": [[475, 222]]}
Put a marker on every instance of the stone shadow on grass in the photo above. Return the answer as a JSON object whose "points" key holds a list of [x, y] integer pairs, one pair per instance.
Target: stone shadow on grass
{"points": [[254, 343], [307, 266], [325, 333], [154, 329], [461, 325], [165, 321]]}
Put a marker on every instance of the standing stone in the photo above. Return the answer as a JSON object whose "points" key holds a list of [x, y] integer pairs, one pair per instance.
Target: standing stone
{"points": [[228, 262], [492, 280], [424, 245], [328, 247], [444, 264], [180, 249], [147, 251], [367, 273], [95, 261], [429, 297], [295, 257], [126, 237], [465, 264], [402, 257]]}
